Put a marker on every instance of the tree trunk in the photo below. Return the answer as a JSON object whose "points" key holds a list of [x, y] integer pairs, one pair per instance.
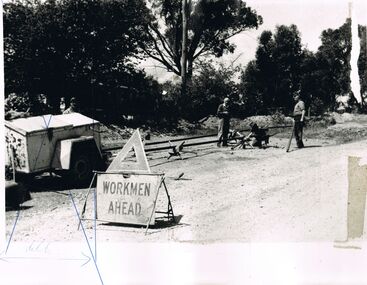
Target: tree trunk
{"points": [[184, 49], [189, 71]]}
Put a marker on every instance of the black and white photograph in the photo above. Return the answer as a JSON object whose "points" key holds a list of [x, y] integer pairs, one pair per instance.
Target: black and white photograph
{"points": [[224, 139]]}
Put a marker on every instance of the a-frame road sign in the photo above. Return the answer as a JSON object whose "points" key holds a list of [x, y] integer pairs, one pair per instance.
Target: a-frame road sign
{"points": [[120, 163]]}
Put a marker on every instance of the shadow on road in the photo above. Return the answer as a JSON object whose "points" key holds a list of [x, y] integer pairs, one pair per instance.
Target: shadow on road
{"points": [[12, 209], [312, 146], [306, 146], [51, 183], [160, 224]]}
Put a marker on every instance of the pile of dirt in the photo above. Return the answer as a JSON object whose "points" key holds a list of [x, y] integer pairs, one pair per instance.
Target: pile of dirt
{"points": [[316, 122], [266, 121], [340, 128], [210, 123], [348, 117], [114, 132], [341, 118], [185, 127], [325, 126], [243, 124]]}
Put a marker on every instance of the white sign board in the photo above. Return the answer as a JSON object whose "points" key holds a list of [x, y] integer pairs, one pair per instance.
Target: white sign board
{"points": [[127, 198]]}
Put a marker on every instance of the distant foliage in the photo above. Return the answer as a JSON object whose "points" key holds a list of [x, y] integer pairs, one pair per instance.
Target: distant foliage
{"points": [[86, 49], [333, 64], [90, 49], [169, 109], [251, 87], [210, 85], [23, 103], [270, 81], [362, 61], [283, 66], [19, 103]]}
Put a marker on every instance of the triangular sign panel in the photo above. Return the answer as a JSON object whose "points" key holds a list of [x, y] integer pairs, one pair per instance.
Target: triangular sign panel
{"points": [[120, 163]]}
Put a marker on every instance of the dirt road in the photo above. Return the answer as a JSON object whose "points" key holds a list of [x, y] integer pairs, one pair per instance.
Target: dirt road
{"points": [[224, 195]]}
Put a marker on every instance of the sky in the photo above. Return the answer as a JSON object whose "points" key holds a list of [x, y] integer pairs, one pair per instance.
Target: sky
{"points": [[310, 16]]}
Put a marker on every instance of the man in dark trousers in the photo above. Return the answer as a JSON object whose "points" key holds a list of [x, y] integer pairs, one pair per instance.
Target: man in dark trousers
{"points": [[223, 127], [299, 119]]}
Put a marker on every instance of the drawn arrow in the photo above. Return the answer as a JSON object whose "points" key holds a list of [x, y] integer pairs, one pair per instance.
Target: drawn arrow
{"points": [[85, 258]]}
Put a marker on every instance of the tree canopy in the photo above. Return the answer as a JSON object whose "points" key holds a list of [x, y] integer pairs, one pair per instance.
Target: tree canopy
{"points": [[283, 66], [210, 85], [210, 26], [362, 60], [66, 48], [270, 80], [333, 63], [89, 49]]}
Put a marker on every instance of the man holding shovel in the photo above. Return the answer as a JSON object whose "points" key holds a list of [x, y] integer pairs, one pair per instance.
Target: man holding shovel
{"points": [[299, 119]]}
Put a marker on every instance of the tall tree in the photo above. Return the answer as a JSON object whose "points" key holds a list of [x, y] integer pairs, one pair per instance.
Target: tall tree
{"points": [[287, 56], [362, 61], [184, 47], [251, 89], [333, 58], [266, 68], [277, 69], [210, 26]]}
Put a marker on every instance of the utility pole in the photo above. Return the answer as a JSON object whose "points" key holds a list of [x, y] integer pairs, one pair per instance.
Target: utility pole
{"points": [[184, 49]]}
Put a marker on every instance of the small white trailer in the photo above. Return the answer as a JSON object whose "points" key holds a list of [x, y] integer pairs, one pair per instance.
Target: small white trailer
{"points": [[69, 142]]}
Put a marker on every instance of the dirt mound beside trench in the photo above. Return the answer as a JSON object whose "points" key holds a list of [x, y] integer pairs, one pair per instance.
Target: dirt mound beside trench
{"points": [[242, 124]]}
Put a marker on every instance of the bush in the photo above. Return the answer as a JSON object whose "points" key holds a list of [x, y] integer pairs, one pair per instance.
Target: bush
{"points": [[23, 103], [19, 103], [318, 106], [208, 88]]}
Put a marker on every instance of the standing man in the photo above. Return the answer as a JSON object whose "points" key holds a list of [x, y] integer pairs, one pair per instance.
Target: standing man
{"points": [[299, 119], [62, 105], [72, 108], [223, 127]]}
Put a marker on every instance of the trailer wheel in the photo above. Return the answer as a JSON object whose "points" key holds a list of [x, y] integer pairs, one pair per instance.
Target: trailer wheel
{"points": [[81, 169]]}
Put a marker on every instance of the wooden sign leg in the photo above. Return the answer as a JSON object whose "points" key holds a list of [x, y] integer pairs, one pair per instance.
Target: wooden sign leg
{"points": [[154, 204], [170, 209]]}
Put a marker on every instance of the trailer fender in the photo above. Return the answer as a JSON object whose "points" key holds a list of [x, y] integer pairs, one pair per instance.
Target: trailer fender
{"points": [[65, 148]]}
